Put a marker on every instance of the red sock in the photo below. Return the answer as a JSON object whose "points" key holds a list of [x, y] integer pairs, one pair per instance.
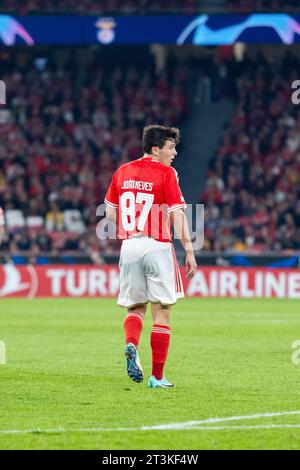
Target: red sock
{"points": [[160, 340], [133, 325]]}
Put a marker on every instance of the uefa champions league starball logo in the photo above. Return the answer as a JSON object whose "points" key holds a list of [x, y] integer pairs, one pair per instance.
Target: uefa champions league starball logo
{"points": [[285, 26], [106, 33], [11, 29]]}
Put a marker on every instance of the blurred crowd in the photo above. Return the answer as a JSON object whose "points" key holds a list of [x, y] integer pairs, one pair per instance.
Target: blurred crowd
{"points": [[63, 135], [66, 130], [252, 195], [143, 7], [123, 7], [248, 6]]}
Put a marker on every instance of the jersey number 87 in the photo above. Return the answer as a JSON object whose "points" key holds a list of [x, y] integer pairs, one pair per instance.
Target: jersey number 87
{"points": [[128, 209]]}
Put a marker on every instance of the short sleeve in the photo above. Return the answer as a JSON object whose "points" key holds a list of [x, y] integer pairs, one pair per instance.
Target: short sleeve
{"points": [[111, 197], [173, 194]]}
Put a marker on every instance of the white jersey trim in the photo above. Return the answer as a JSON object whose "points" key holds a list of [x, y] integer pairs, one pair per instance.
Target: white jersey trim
{"points": [[175, 208], [110, 203]]}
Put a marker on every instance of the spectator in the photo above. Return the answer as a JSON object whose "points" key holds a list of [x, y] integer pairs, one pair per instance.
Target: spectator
{"points": [[58, 152], [252, 187]]}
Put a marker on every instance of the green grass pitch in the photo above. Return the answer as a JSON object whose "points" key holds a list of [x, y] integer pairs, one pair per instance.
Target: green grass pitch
{"points": [[65, 377]]}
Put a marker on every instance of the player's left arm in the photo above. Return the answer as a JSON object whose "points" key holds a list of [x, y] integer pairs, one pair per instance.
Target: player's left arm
{"points": [[2, 228], [176, 203], [111, 213], [2, 233], [181, 228]]}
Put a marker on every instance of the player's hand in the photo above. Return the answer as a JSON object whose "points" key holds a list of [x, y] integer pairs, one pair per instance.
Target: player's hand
{"points": [[190, 265]]}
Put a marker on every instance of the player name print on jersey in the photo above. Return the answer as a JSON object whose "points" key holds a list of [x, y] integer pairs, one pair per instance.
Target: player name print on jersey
{"points": [[133, 184]]}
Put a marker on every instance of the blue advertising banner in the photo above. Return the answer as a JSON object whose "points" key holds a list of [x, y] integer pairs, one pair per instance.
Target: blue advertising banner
{"points": [[198, 30]]}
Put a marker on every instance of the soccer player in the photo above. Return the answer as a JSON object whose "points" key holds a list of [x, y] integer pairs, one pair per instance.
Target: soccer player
{"points": [[144, 199], [2, 231]]}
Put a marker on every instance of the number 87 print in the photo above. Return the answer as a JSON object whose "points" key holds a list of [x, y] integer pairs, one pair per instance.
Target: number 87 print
{"points": [[128, 203]]}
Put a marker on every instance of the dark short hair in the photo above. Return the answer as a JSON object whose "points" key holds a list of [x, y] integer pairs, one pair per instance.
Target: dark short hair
{"points": [[156, 136]]}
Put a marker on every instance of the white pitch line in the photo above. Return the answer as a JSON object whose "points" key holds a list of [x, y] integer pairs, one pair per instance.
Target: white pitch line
{"points": [[188, 425], [183, 428], [220, 420], [263, 322], [258, 426]]}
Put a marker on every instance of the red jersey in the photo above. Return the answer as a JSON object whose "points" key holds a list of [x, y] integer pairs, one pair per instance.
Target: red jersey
{"points": [[145, 191]]}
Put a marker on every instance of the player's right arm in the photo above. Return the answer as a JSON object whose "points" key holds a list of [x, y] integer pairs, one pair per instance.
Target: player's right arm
{"points": [[2, 233], [112, 200]]}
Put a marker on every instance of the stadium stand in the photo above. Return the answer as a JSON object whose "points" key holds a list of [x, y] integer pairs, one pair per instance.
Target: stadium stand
{"points": [[60, 144], [62, 137], [248, 6], [143, 7], [252, 190], [120, 7]]}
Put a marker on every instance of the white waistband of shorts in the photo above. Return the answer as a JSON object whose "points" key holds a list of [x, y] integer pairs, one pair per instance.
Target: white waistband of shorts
{"points": [[141, 236], [138, 235]]}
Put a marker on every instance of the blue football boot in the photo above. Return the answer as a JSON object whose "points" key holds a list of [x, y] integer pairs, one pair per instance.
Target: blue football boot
{"points": [[134, 367]]}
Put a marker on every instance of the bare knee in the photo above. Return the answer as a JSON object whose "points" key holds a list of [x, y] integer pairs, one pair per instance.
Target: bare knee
{"points": [[139, 308], [161, 314]]}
